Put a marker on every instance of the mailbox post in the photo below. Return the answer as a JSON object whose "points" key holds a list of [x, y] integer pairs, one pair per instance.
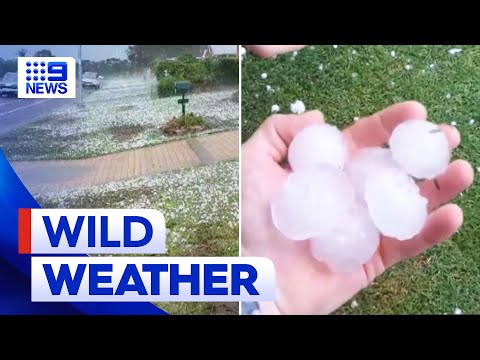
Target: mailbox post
{"points": [[183, 87]]}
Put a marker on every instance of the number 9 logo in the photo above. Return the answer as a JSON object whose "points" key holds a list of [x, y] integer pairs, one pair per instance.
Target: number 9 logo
{"points": [[59, 68]]}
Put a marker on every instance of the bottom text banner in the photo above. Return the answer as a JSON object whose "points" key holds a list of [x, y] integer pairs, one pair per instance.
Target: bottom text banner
{"points": [[166, 279]]}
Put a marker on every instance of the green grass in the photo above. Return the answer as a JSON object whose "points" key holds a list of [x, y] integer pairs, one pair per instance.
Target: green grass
{"points": [[447, 276]]}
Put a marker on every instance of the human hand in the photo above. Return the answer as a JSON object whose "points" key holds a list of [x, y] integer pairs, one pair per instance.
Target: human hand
{"points": [[303, 285], [265, 51]]}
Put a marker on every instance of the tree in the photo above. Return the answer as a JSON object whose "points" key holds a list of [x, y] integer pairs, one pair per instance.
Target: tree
{"points": [[43, 53], [142, 56], [22, 52]]}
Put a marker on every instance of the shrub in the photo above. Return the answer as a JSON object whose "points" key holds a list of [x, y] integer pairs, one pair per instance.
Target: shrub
{"points": [[199, 72], [187, 123], [186, 58], [166, 87], [227, 69], [193, 71]]}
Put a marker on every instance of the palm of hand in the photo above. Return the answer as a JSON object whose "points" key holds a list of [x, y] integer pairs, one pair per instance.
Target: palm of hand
{"points": [[305, 286]]}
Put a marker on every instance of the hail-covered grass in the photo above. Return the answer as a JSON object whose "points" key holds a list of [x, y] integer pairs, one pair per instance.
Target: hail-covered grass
{"points": [[200, 206], [122, 115]]}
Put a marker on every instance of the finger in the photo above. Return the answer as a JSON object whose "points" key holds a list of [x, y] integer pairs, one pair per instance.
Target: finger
{"points": [[376, 129], [452, 134], [271, 50], [458, 177], [274, 136], [441, 225]]}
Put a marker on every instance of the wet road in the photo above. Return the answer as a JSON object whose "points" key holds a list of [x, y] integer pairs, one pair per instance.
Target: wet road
{"points": [[17, 112]]}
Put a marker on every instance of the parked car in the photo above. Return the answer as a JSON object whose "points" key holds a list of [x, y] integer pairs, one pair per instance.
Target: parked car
{"points": [[9, 84], [91, 80]]}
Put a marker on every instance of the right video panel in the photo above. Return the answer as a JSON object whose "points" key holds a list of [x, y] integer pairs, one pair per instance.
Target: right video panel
{"points": [[357, 177]]}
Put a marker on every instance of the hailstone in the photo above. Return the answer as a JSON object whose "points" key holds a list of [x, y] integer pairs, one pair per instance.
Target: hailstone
{"points": [[420, 148], [298, 107], [311, 202], [394, 203], [315, 145], [350, 244], [366, 160]]}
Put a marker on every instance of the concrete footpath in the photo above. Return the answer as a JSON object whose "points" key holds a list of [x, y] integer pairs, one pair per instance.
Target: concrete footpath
{"points": [[56, 175]]}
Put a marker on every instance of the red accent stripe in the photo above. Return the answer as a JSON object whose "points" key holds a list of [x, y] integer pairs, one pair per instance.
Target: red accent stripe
{"points": [[24, 231]]}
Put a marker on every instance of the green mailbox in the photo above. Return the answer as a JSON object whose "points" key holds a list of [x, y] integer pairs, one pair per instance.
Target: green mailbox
{"points": [[183, 87]]}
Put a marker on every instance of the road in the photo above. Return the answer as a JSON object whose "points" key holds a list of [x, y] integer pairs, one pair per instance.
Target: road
{"points": [[17, 112]]}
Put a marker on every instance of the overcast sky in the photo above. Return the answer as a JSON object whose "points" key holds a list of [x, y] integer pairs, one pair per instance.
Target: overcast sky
{"points": [[89, 52]]}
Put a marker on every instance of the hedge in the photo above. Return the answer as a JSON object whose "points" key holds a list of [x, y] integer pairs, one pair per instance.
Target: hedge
{"points": [[199, 72], [166, 87]]}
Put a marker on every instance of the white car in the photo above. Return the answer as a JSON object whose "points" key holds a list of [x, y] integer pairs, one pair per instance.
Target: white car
{"points": [[9, 84], [91, 80]]}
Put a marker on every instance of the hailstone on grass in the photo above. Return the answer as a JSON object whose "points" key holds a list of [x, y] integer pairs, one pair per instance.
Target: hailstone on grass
{"points": [[275, 108], [298, 107], [350, 244], [311, 202], [316, 145], [420, 148], [394, 203]]}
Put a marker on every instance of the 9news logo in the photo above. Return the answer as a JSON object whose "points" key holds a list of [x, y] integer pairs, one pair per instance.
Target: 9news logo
{"points": [[46, 77]]}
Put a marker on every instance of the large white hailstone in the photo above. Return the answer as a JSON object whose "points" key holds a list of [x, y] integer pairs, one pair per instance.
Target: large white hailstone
{"points": [[275, 108], [394, 203], [349, 245], [420, 148], [243, 51], [311, 202], [365, 161], [316, 145], [264, 76], [298, 107]]}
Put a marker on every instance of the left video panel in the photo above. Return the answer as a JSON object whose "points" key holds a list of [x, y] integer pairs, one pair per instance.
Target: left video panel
{"points": [[147, 127]]}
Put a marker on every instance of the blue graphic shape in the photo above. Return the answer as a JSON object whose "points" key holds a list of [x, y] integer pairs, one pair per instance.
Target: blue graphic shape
{"points": [[35, 63], [29, 63], [58, 68], [29, 78], [35, 78], [42, 78], [15, 269], [29, 71], [42, 63], [35, 71]]}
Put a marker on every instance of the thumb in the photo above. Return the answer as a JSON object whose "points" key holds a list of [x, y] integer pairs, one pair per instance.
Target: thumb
{"points": [[266, 51], [273, 137]]}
